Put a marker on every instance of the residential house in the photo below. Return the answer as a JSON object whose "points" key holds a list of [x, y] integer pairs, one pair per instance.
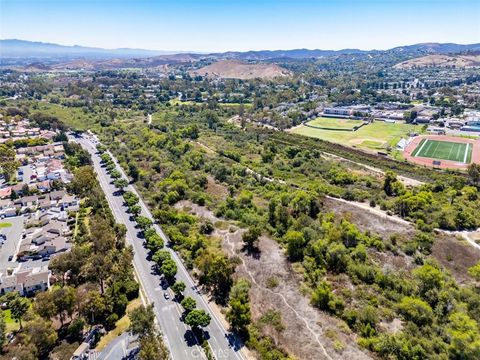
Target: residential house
{"points": [[26, 281]]}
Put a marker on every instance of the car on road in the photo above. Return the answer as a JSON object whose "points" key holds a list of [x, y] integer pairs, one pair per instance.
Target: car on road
{"points": [[10, 258], [166, 296]]}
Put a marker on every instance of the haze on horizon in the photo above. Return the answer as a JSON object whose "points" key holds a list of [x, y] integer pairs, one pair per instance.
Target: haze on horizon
{"points": [[219, 25]]}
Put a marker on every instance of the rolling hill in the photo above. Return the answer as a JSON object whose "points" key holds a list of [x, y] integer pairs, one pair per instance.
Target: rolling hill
{"points": [[233, 69], [440, 60]]}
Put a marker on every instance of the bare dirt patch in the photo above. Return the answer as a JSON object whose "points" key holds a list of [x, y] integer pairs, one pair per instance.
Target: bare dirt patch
{"points": [[232, 69], [366, 219], [216, 190], [455, 255]]}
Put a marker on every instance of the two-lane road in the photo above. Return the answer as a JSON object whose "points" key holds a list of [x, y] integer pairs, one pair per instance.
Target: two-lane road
{"points": [[177, 335]]}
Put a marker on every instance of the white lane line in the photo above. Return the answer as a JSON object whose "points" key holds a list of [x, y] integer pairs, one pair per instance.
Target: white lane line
{"points": [[417, 153], [466, 154]]}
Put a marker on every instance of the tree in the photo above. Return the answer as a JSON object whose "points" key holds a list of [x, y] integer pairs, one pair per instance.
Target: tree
{"points": [[474, 174], [169, 269], [143, 222], [133, 172], [142, 321], [64, 300], [238, 314], [295, 245], [42, 335], [212, 119], [474, 271], [464, 337], [160, 256], [135, 210], [120, 184], [44, 305], [178, 288], [250, 237], [189, 304], [115, 174], [84, 181], [416, 310], [216, 274], [94, 307], [391, 185], [8, 164], [152, 348], [322, 295], [18, 306], [130, 198], [142, 324], [3, 329], [197, 318]]}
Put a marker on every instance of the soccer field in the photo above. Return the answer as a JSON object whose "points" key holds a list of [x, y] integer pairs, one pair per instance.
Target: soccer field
{"points": [[444, 150]]}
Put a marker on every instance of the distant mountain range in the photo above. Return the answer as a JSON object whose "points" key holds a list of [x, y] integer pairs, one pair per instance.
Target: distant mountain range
{"points": [[12, 48]]}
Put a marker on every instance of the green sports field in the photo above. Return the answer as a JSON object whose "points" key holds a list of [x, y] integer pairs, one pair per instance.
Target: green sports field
{"points": [[444, 150], [375, 136], [334, 123]]}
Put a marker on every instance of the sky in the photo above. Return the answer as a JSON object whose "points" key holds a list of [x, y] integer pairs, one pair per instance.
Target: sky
{"points": [[223, 25]]}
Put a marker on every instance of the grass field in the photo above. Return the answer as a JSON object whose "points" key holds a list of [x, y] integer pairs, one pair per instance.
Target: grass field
{"points": [[331, 123], [375, 136], [444, 150]]}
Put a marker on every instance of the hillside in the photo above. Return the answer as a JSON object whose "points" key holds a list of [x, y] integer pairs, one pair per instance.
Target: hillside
{"points": [[240, 70], [437, 60]]}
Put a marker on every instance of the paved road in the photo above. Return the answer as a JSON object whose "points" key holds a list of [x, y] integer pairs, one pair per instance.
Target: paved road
{"points": [[177, 335], [13, 234], [119, 348]]}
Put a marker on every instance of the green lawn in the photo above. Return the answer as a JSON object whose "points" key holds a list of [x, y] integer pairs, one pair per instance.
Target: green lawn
{"points": [[332, 123], [11, 324], [375, 136], [444, 150], [71, 116]]}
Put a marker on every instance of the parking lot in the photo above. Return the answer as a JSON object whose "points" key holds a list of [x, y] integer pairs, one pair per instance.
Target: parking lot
{"points": [[27, 173], [13, 234]]}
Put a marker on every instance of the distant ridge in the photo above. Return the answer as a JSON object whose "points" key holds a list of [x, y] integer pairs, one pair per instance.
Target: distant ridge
{"points": [[14, 48], [35, 49]]}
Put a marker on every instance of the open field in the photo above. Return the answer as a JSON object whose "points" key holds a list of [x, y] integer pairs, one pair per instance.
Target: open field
{"points": [[375, 136], [332, 123], [448, 152], [444, 150]]}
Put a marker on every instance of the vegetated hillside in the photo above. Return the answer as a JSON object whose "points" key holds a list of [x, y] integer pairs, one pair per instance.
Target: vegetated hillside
{"points": [[240, 70], [437, 60]]}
